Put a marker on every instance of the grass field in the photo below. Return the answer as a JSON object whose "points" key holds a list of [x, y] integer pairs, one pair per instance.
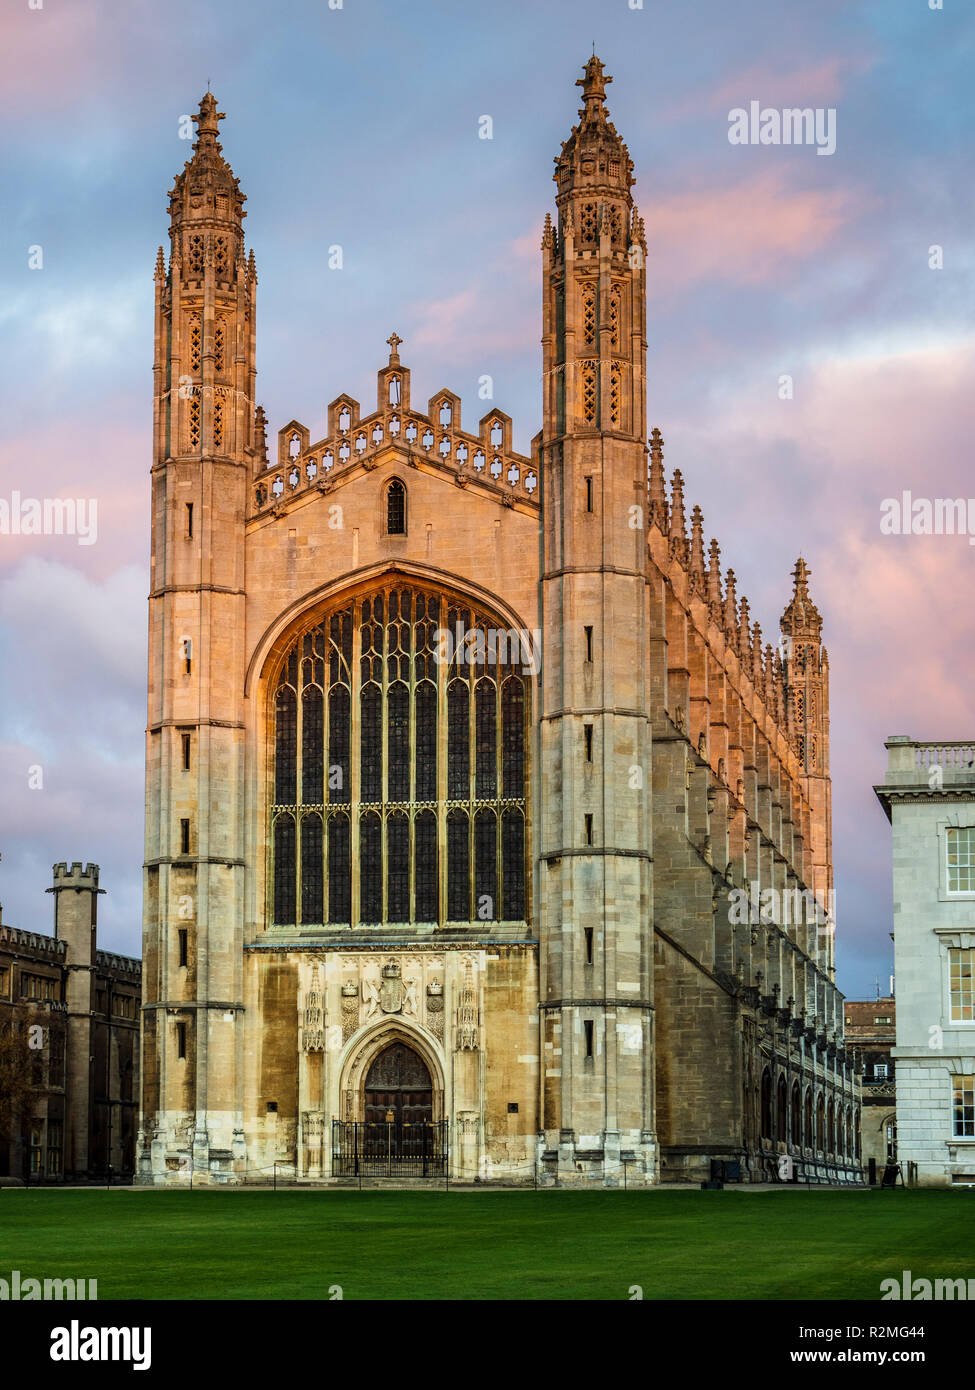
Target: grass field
{"points": [[490, 1245]]}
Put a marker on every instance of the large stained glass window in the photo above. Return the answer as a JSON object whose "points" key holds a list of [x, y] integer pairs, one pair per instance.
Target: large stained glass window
{"points": [[399, 777]]}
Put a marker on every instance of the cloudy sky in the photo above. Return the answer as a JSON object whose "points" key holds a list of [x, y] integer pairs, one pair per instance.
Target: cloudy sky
{"points": [[358, 126]]}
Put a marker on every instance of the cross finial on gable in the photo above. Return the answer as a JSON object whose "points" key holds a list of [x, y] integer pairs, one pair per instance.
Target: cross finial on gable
{"points": [[394, 341]]}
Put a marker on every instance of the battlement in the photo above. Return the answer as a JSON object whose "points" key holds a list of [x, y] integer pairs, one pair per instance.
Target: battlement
{"points": [[394, 431], [37, 943], [76, 876], [118, 965]]}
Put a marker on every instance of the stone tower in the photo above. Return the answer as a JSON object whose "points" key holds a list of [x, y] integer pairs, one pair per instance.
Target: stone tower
{"points": [[204, 427], [75, 914], [594, 837]]}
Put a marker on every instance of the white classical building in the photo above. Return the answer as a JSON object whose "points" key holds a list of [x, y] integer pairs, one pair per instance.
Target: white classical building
{"points": [[929, 798]]}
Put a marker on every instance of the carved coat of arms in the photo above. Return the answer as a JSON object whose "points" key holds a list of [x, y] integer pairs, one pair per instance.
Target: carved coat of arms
{"points": [[391, 990]]}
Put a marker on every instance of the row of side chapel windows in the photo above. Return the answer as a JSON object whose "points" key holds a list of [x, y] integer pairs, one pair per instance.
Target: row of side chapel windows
{"points": [[792, 1120]]}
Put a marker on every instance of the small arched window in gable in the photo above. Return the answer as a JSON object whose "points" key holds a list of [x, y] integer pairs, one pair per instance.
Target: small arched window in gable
{"points": [[396, 509]]}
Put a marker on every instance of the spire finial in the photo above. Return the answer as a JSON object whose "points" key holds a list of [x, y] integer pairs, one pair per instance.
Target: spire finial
{"points": [[208, 120], [593, 84], [801, 616], [394, 341]]}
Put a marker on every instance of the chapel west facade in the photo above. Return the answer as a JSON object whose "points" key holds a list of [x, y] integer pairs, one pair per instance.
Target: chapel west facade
{"points": [[468, 777]]}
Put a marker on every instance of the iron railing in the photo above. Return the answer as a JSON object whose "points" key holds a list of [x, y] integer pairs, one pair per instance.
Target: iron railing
{"points": [[395, 1149]]}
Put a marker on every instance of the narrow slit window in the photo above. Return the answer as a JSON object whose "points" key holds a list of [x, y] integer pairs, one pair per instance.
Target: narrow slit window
{"points": [[589, 1028], [587, 934], [184, 837], [589, 829], [589, 494], [186, 752], [183, 947], [181, 1041], [587, 730], [189, 521], [588, 631]]}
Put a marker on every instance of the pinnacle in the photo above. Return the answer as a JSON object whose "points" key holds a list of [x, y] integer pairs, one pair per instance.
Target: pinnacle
{"points": [[801, 614], [594, 155], [801, 576], [593, 84], [207, 122]]}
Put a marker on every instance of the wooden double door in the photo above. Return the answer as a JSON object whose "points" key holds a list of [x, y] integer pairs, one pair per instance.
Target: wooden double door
{"points": [[398, 1099]]}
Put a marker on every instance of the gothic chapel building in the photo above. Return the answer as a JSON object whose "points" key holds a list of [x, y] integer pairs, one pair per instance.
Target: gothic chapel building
{"points": [[461, 764]]}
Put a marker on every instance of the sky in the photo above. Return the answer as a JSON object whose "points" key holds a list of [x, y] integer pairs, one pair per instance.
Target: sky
{"points": [[358, 126]]}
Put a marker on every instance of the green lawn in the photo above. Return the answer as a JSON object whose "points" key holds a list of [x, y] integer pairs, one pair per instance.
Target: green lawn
{"points": [[489, 1245]]}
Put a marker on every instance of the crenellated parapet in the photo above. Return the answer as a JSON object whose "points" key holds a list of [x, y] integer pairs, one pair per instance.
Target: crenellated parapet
{"points": [[394, 431], [76, 876], [36, 943], [108, 962]]}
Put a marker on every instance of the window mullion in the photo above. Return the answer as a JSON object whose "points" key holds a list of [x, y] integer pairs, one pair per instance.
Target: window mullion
{"points": [[472, 803], [384, 762], [443, 671], [355, 753]]}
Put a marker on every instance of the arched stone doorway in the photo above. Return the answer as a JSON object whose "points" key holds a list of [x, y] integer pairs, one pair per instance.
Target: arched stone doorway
{"points": [[392, 1084], [398, 1089]]}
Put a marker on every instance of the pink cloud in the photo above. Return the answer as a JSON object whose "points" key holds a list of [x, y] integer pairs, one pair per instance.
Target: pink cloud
{"points": [[497, 314], [112, 470], [59, 45], [818, 84], [747, 234]]}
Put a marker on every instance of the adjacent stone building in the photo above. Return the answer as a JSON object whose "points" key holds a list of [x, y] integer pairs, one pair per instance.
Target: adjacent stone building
{"points": [[929, 798], [483, 826], [870, 1032], [86, 1003]]}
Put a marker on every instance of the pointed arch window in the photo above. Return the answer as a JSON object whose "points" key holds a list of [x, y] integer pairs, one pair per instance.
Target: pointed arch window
{"points": [[766, 1113], [588, 390], [396, 509], [781, 1114], [615, 395], [399, 778], [796, 1117], [196, 343], [589, 315], [614, 316], [220, 344]]}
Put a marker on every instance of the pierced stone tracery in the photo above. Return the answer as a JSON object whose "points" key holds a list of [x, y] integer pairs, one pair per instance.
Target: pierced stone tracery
{"points": [[410, 766]]}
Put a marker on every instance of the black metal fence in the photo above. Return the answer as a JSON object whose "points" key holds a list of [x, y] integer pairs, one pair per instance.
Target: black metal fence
{"points": [[389, 1150]]}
